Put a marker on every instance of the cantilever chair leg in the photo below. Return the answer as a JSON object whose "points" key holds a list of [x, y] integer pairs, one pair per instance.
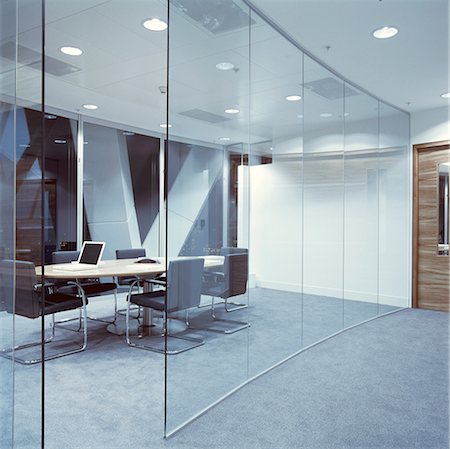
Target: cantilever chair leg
{"points": [[236, 326], [238, 306], [7, 353], [196, 342]]}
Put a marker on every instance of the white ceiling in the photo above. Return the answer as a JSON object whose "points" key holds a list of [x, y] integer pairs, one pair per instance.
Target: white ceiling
{"points": [[412, 67], [123, 64]]}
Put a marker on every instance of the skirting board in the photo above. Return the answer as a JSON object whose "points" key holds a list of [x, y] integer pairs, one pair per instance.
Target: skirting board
{"points": [[389, 300]]}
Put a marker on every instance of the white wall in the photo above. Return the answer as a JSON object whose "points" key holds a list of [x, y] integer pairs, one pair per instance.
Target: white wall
{"points": [[355, 219], [431, 125]]}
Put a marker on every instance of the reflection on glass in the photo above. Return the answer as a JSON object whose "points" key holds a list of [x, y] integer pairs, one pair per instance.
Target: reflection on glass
{"points": [[121, 189], [205, 201], [444, 202], [361, 207], [323, 204]]}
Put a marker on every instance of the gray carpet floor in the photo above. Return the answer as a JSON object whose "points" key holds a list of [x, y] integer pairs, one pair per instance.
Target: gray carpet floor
{"points": [[381, 385]]}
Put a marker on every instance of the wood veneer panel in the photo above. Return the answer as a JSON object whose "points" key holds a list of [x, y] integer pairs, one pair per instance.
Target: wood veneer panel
{"points": [[433, 271]]}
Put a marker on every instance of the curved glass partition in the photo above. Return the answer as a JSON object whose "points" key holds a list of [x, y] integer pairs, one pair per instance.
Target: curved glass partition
{"points": [[268, 195], [307, 163]]}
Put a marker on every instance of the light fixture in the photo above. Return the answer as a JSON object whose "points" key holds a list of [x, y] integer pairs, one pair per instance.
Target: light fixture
{"points": [[224, 139], [346, 114], [128, 133], [232, 111], [155, 24], [71, 51], [60, 141], [50, 117], [300, 116], [385, 32], [91, 107], [293, 98], [225, 66], [326, 115], [165, 125], [445, 95], [271, 148]]}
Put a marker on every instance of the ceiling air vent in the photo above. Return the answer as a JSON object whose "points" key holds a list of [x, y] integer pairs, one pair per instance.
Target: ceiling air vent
{"points": [[204, 116], [217, 16], [31, 58], [330, 88]]}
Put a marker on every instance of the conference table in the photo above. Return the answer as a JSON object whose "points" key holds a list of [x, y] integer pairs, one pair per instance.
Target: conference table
{"points": [[121, 268]]}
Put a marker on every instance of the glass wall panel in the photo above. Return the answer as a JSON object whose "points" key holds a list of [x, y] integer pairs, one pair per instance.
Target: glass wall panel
{"points": [[361, 207], [323, 202], [394, 210], [120, 71], [7, 222], [275, 198], [206, 202], [31, 217]]}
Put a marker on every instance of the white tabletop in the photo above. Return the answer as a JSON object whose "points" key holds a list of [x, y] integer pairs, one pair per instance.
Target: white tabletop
{"points": [[120, 267]]}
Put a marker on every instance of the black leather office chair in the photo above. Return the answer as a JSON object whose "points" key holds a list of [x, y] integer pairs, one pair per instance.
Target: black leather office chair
{"points": [[33, 299], [233, 250], [182, 292], [91, 287], [229, 281], [132, 253]]}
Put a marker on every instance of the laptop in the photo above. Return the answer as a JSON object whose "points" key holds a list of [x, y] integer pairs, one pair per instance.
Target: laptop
{"points": [[89, 257]]}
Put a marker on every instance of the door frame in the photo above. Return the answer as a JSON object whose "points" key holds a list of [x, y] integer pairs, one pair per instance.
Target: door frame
{"points": [[417, 149]]}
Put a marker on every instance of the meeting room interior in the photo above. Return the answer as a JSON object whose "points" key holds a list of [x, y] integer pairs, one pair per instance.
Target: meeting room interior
{"points": [[188, 199]]}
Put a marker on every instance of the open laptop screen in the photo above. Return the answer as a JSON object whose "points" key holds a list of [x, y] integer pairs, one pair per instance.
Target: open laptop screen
{"points": [[91, 252]]}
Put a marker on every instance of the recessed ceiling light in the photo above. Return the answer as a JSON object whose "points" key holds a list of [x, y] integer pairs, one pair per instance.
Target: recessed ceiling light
{"points": [[60, 141], [71, 51], [128, 133], [385, 32], [445, 95], [155, 24], [293, 98], [50, 117], [91, 107], [224, 139], [232, 111], [225, 66], [326, 115], [165, 125], [271, 148]]}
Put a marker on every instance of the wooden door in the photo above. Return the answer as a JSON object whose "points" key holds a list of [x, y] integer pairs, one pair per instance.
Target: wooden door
{"points": [[431, 263]]}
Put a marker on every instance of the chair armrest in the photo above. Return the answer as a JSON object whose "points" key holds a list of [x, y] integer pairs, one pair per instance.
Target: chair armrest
{"points": [[213, 276], [155, 281], [49, 288]]}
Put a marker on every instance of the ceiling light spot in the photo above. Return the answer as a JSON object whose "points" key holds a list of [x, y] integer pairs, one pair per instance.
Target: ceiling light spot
{"points": [[346, 114], [128, 133], [50, 117], [60, 141], [232, 111], [385, 32], [224, 139], [155, 24], [225, 66], [445, 95], [300, 116], [293, 98], [326, 115], [91, 107], [165, 125], [71, 51]]}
